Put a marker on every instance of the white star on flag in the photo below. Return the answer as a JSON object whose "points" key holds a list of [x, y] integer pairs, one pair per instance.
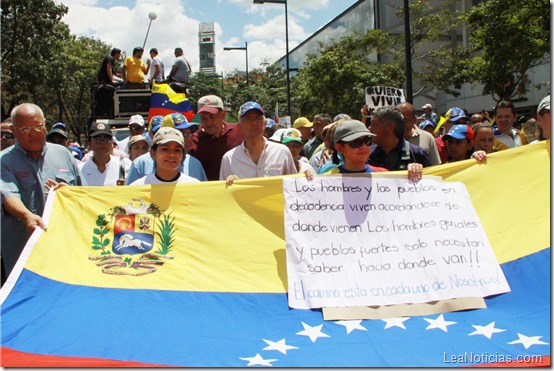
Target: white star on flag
{"points": [[486, 331], [439, 322], [258, 360], [396, 322], [527, 341], [351, 325], [312, 332], [280, 346]]}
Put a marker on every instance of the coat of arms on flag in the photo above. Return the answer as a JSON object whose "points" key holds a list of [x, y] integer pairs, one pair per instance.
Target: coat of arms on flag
{"points": [[124, 240]]}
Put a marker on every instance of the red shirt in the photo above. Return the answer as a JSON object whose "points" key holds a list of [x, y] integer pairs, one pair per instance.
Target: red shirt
{"points": [[209, 150]]}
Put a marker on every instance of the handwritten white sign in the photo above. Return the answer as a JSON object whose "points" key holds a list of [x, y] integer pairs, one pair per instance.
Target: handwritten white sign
{"points": [[362, 241], [383, 96]]}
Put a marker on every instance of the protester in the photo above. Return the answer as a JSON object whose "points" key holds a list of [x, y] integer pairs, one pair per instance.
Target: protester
{"points": [[543, 116], [138, 146], [476, 118], [320, 121], [270, 127], [168, 152], [154, 124], [292, 138], [215, 136], [155, 67], [30, 169], [59, 135], [428, 126], [428, 113], [459, 144], [144, 165], [256, 156], [417, 136], [305, 127], [453, 116], [324, 151], [106, 73], [134, 70], [104, 169], [506, 116], [8, 138], [390, 150], [136, 127], [180, 72], [483, 138], [352, 140]]}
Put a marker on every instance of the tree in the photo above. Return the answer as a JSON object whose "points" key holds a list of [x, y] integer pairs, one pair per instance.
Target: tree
{"points": [[334, 80], [32, 37], [506, 39]]}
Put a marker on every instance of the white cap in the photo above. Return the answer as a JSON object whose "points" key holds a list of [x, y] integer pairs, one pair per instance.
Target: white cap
{"points": [[136, 119]]}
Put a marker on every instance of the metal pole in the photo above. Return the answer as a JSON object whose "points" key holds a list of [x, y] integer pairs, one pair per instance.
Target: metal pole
{"points": [[149, 24], [287, 45], [408, 48], [246, 50]]}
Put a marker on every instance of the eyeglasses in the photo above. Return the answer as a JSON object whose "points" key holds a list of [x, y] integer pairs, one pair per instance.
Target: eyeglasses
{"points": [[359, 142], [135, 127], [7, 134], [27, 129], [102, 138]]}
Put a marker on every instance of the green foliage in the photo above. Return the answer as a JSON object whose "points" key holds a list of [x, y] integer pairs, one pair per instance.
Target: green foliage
{"points": [[334, 80], [166, 234], [44, 64], [506, 39]]}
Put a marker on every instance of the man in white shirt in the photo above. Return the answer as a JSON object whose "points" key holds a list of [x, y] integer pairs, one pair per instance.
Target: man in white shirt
{"points": [[256, 156], [505, 118], [104, 169], [156, 67]]}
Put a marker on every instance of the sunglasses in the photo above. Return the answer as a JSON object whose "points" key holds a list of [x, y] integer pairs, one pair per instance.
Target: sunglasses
{"points": [[7, 134], [102, 138], [27, 129], [359, 142]]}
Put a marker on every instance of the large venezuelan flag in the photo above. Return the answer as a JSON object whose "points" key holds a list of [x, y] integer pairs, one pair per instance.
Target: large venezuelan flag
{"points": [[211, 288], [164, 101]]}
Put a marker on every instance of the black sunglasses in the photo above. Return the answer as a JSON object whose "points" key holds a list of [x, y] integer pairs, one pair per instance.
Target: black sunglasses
{"points": [[359, 142], [7, 134]]}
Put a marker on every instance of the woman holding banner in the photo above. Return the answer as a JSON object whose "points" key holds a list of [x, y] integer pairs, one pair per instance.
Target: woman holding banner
{"points": [[352, 140]]}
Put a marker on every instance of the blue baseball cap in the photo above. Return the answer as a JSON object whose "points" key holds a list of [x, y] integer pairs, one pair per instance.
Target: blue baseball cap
{"points": [[59, 125], [249, 106], [269, 123], [454, 114], [459, 132], [426, 123]]}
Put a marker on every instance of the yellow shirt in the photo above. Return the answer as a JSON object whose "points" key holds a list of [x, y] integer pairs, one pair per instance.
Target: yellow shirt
{"points": [[135, 69]]}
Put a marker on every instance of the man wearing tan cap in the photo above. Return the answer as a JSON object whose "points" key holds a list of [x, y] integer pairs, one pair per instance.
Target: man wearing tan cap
{"points": [[305, 127], [428, 114], [215, 137]]}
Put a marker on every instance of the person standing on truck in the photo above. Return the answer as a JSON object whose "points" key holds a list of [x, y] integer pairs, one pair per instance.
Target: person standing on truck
{"points": [[134, 69], [156, 67], [179, 75]]}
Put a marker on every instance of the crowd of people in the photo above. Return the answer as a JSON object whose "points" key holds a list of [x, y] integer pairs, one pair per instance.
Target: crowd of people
{"points": [[170, 149]]}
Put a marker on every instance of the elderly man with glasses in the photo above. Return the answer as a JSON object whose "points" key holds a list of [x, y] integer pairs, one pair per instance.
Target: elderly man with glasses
{"points": [[30, 169]]}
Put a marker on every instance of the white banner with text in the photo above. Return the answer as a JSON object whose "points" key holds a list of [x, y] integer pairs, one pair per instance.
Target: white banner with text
{"points": [[380, 240]]}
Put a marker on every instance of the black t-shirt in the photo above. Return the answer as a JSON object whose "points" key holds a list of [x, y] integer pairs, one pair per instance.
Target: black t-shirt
{"points": [[103, 76]]}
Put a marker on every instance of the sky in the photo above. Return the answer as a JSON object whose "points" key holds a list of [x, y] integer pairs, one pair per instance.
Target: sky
{"points": [[124, 24]]}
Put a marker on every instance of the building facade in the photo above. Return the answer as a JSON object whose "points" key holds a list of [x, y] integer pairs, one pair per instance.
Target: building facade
{"points": [[364, 15]]}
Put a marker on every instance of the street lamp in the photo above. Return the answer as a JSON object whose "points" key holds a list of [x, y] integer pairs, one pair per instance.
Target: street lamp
{"points": [[152, 16], [287, 42], [245, 48]]}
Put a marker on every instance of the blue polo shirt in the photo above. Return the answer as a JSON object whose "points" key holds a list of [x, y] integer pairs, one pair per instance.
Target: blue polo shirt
{"points": [[24, 177]]}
